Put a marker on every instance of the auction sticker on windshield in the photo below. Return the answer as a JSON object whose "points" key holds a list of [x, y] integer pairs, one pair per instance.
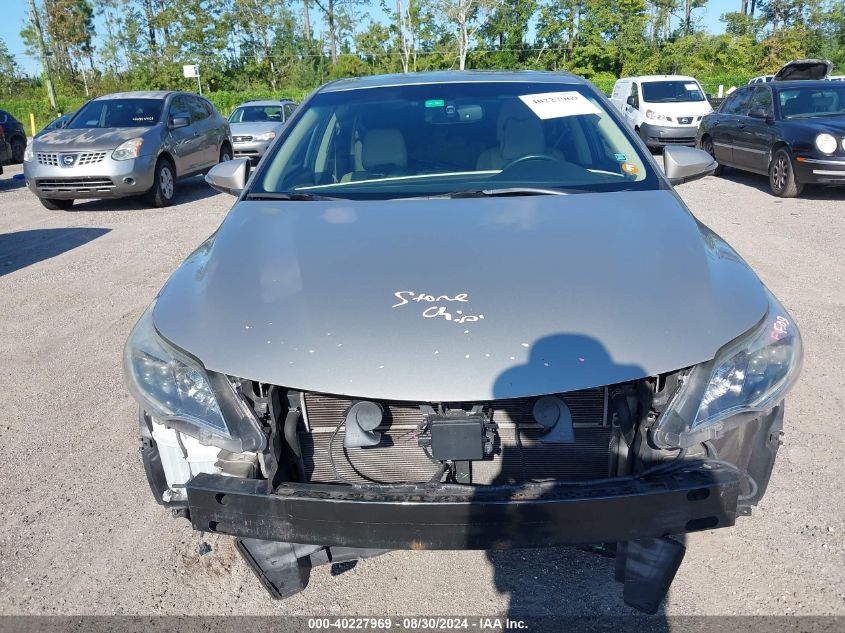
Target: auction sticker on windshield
{"points": [[553, 105]]}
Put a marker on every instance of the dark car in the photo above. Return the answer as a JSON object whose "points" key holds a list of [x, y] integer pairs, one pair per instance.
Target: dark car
{"points": [[15, 135], [425, 324], [792, 131]]}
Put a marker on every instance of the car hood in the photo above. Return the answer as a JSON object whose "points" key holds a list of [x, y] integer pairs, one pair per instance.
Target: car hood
{"points": [[459, 300], [65, 140], [804, 69], [814, 125], [253, 129]]}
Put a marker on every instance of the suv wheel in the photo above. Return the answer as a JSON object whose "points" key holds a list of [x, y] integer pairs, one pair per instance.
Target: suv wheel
{"points": [[782, 176], [18, 148], [164, 184], [56, 204]]}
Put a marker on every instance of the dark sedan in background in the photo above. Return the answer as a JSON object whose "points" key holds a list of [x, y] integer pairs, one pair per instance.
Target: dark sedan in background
{"points": [[792, 131], [15, 135]]}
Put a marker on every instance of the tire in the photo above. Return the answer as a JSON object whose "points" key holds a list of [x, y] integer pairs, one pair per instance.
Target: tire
{"points": [[782, 176], [225, 153], [164, 184], [56, 204], [18, 148], [707, 146]]}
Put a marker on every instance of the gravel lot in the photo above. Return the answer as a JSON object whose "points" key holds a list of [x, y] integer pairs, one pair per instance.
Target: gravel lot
{"points": [[81, 532]]}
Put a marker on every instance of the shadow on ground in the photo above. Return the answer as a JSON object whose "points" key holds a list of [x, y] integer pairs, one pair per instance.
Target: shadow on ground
{"points": [[24, 248], [190, 190], [761, 183], [8, 182]]}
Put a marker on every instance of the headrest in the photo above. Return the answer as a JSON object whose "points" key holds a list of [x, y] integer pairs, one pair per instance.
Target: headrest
{"points": [[522, 137], [383, 146]]}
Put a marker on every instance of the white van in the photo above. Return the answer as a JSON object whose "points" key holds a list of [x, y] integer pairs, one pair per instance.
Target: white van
{"points": [[662, 109]]}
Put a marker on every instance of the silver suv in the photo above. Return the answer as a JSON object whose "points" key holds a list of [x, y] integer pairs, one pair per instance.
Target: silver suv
{"points": [[126, 144], [256, 123]]}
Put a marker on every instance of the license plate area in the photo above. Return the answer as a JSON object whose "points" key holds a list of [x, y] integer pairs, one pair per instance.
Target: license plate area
{"points": [[457, 437]]}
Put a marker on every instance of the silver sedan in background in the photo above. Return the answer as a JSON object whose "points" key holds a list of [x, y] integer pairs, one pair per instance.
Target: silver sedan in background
{"points": [[126, 144], [256, 123]]}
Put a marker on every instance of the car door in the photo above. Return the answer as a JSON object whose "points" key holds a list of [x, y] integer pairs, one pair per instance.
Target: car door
{"points": [[754, 134], [204, 128], [723, 129], [631, 112], [184, 140]]}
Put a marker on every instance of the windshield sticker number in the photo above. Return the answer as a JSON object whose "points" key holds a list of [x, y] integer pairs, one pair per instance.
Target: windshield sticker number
{"points": [[553, 105], [691, 86], [449, 313]]}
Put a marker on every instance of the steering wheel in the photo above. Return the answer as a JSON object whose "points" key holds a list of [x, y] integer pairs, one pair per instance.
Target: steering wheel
{"points": [[529, 157]]}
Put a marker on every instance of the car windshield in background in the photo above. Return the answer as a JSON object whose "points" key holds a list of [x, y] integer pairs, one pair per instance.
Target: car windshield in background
{"points": [[256, 114], [443, 139], [107, 113], [810, 102], [671, 91]]}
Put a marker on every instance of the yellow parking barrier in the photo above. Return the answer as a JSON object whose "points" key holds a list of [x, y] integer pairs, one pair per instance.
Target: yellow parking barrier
{"points": [[32, 122]]}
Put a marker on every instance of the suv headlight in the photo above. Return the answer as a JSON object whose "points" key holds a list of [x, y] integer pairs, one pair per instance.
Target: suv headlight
{"points": [[129, 149], [179, 392], [267, 136], [749, 375], [28, 154]]}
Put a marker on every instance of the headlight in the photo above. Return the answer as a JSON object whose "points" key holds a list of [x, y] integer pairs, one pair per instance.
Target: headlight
{"points": [[181, 393], [826, 143], [28, 154], [651, 114], [129, 149], [267, 136], [749, 375]]}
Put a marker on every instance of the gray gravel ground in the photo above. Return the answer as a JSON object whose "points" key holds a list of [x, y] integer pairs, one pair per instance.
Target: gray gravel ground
{"points": [[81, 533]]}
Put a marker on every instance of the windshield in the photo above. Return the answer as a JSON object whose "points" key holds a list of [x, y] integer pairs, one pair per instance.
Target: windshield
{"points": [[424, 140], [256, 114], [809, 102], [106, 113], [671, 91]]}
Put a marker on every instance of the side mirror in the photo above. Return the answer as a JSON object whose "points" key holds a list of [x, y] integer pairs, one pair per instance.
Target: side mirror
{"points": [[760, 113], [632, 101], [179, 121], [229, 177], [682, 164]]}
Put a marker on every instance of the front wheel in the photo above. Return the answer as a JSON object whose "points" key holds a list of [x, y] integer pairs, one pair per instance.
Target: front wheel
{"points": [[707, 146], [782, 176], [225, 154], [18, 149], [56, 204], [164, 184]]}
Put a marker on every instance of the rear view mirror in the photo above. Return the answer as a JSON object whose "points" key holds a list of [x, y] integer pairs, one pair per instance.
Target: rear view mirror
{"points": [[682, 164], [229, 177], [179, 121], [632, 101]]}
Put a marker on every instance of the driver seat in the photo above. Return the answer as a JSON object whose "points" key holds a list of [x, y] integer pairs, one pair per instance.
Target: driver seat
{"points": [[520, 133]]}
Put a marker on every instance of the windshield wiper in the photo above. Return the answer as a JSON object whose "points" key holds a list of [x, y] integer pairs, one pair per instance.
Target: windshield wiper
{"points": [[505, 192], [294, 196]]}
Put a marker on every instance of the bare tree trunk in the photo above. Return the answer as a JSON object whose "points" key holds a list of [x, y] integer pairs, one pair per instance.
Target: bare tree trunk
{"points": [[332, 34], [307, 21], [687, 16], [744, 7], [753, 6], [403, 52], [151, 31]]}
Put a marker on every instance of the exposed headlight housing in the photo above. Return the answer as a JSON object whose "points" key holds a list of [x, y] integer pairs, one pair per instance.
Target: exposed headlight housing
{"points": [[826, 143], [267, 136], [749, 375], [129, 149], [179, 392], [651, 114], [28, 154]]}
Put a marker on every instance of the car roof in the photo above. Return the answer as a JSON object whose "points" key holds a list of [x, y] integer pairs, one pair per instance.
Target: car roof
{"points": [[451, 76], [800, 83], [138, 94], [660, 78], [266, 102]]}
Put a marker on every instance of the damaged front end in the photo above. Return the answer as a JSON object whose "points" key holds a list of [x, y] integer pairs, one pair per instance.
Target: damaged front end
{"points": [[303, 478]]}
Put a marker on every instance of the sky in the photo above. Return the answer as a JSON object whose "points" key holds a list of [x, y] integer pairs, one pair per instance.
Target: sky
{"points": [[14, 15]]}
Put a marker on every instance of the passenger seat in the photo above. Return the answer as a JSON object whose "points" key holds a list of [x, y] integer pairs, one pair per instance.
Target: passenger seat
{"points": [[383, 153]]}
